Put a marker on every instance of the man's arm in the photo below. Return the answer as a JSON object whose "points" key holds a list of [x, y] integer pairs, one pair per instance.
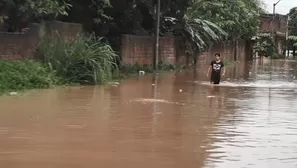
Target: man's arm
{"points": [[209, 69], [223, 69]]}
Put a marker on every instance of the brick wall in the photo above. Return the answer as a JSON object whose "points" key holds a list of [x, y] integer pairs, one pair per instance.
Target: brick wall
{"points": [[139, 49], [18, 45], [66, 30], [279, 24], [226, 51], [22, 45]]}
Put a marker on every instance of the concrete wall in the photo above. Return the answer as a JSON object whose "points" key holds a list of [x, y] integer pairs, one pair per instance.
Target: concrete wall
{"points": [[22, 45], [139, 49]]}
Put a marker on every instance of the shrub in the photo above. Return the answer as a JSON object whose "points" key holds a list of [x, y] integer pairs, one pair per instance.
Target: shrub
{"points": [[85, 60], [278, 56], [25, 74]]}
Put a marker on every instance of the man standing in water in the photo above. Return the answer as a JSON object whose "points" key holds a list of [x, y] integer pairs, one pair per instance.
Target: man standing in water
{"points": [[216, 66]]}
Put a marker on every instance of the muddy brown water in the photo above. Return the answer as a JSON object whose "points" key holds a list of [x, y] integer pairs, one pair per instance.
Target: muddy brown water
{"points": [[173, 120]]}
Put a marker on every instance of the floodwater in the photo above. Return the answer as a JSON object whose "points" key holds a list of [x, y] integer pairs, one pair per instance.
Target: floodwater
{"points": [[173, 120]]}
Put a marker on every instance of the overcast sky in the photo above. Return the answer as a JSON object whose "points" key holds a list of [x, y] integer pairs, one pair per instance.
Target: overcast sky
{"points": [[283, 7]]}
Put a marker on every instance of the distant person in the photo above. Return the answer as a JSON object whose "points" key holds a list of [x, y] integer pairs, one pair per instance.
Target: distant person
{"points": [[216, 67]]}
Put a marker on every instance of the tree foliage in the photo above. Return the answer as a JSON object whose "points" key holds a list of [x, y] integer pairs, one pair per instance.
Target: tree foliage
{"points": [[292, 39], [293, 21], [16, 12], [265, 45], [201, 22], [197, 33], [239, 18], [35, 8]]}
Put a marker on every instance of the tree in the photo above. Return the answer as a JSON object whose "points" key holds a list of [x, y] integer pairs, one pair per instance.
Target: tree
{"points": [[293, 21], [265, 45], [16, 13], [239, 18], [197, 33], [292, 43]]}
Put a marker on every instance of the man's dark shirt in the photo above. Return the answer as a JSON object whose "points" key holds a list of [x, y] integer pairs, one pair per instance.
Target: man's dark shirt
{"points": [[216, 67]]}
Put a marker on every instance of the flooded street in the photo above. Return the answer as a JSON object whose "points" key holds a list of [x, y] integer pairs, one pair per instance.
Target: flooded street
{"points": [[173, 120]]}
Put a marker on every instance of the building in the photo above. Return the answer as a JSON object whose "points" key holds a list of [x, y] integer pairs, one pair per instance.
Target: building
{"points": [[277, 24]]}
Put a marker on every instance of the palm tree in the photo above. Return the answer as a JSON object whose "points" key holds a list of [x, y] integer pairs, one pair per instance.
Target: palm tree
{"points": [[198, 34]]}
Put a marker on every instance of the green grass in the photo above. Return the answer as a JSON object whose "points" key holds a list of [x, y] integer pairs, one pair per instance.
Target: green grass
{"points": [[85, 60], [25, 74]]}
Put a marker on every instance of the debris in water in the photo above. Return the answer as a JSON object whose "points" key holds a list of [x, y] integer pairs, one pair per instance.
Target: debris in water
{"points": [[141, 72], [180, 90], [13, 93], [145, 101], [113, 83], [75, 126], [210, 96]]}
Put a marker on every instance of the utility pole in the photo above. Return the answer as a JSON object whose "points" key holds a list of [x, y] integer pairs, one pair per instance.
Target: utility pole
{"points": [[272, 23], [273, 30], [156, 53], [274, 40]]}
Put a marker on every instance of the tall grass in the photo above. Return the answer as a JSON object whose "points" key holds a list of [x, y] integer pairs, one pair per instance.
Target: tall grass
{"points": [[24, 74], [84, 60]]}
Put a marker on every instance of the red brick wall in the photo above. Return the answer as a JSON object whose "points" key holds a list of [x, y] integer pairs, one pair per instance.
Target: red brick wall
{"points": [[280, 23], [22, 45], [18, 45], [227, 51], [66, 30], [139, 49]]}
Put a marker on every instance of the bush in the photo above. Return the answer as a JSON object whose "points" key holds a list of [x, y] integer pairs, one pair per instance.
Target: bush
{"points": [[25, 74], [85, 60], [278, 56]]}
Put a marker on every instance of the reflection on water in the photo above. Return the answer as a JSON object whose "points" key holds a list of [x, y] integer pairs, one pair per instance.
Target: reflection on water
{"points": [[170, 120], [257, 84]]}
